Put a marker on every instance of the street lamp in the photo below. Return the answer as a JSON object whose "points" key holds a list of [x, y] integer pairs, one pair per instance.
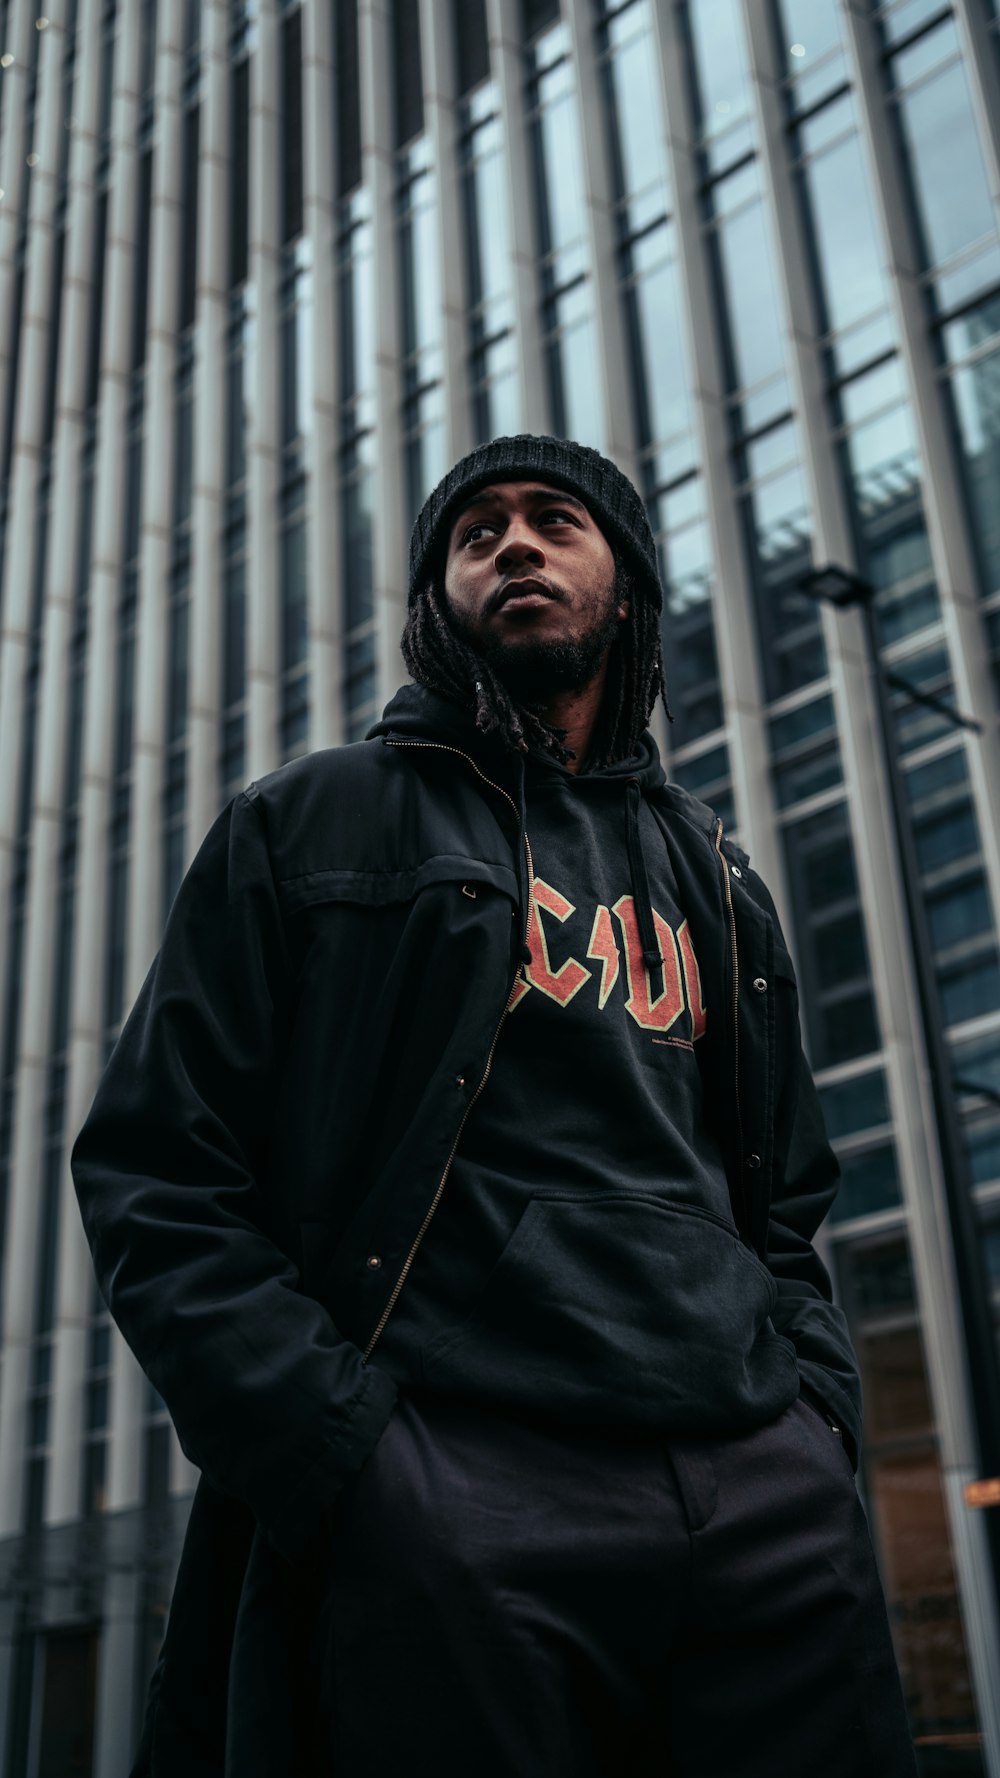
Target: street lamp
{"points": [[839, 587]]}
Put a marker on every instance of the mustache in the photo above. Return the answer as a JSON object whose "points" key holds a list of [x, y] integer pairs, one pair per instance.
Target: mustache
{"points": [[539, 580]]}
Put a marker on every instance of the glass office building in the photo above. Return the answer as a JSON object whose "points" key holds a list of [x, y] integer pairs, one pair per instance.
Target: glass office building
{"points": [[266, 269]]}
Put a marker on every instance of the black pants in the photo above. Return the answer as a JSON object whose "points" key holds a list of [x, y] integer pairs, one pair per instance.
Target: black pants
{"points": [[514, 1601]]}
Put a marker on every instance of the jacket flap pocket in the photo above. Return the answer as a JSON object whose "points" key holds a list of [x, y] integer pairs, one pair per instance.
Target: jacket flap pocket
{"points": [[380, 888]]}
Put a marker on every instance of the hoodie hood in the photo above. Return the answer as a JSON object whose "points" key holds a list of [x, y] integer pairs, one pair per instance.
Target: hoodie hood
{"points": [[416, 714]]}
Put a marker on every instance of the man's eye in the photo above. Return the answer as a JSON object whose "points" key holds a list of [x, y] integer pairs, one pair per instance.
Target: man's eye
{"points": [[471, 534], [557, 512]]}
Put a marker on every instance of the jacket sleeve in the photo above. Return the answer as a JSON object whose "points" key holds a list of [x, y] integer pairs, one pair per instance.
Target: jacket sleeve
{"points": [[267, 1398], [804, 1185]]}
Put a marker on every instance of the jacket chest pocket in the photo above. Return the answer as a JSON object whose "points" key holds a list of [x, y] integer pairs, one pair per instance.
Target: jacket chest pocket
{"points": [[398, 1004]]}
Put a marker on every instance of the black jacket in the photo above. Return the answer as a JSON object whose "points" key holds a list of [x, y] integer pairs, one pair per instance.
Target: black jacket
{"points": [[274, 1124]]}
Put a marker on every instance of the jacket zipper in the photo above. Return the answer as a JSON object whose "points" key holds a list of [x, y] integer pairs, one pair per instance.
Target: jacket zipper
{"points": [[440, 747], [736, 981]]}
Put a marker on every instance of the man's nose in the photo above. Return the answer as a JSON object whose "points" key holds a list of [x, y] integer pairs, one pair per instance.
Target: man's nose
{"points": [[519, 544]]}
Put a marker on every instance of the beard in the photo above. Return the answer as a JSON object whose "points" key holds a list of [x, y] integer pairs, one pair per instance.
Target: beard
{"points": [[533, 669]]}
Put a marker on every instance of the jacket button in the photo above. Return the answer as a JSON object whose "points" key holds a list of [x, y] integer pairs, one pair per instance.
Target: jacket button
{"points": [[759, 985], [373, 1262], [460, 1080], [736, 870], [753, 1161]]}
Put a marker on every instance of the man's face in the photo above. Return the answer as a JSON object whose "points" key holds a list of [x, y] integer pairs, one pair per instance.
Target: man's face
{"points": [[530, 585]]}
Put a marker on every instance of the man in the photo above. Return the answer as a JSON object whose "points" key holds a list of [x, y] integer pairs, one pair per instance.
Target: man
{"points": [[455, 1180]]}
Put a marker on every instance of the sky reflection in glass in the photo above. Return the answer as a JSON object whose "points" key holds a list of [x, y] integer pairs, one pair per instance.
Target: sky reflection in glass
{"points": [[756, 319], [845, 233], [953, 195], [720, 53], [636, 104], [813, 25]]}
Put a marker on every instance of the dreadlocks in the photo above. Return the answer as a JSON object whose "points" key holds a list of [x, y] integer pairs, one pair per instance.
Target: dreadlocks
{"points": [[437, 658]]}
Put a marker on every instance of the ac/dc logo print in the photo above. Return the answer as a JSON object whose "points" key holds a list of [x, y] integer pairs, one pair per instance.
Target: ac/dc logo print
{"points": [[681, 987]]}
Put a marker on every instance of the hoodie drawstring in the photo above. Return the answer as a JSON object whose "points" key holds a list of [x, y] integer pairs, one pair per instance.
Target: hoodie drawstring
{"points": [[651, 953]]}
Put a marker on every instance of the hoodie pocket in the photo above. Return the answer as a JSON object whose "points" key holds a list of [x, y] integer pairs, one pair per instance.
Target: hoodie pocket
{"points": [[652, 1309]]}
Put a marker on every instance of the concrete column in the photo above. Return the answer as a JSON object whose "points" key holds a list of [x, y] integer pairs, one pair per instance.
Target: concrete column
{"points": [[869, 807], [951, 549], [324, 552], [612, 360], [14, 151], [379, 175], [205, 654], [31, 350], [20, 616], [507, 63], [145, 892], [955, 574], [263, 450], [116, 378], [64, 542], [145, 867], [732, 601], [436, 37]]}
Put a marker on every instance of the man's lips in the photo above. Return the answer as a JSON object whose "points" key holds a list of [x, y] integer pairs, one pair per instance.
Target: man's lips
{"points": [[527, 591]]}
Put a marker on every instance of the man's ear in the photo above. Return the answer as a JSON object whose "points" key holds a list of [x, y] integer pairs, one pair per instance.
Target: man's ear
{"points": [[624, 609]]}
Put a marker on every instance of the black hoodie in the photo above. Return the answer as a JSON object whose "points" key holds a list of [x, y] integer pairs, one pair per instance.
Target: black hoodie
{"points": [[583, 1258]]}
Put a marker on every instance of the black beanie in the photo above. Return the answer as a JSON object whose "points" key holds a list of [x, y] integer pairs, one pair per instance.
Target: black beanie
{"points": [[608, 495]]}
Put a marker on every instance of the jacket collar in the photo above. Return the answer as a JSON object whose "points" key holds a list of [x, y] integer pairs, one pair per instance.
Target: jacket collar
{"points": [[414, 713]]}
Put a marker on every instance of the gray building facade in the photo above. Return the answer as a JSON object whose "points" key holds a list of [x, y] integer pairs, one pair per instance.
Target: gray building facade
{"points": [[266, 268]]}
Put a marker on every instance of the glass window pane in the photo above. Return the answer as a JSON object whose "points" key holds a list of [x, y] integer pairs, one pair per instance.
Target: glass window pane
{"points": [[869, 1182], [953, 195], [489, 249], [294, 596], [581, 395], [686, 570], [756, 317], [831, 949], [813, 26], [563, 213], [847, 242], [637, 108], [976, 392], [660, 355], [861, 1103], [720, 54]]}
